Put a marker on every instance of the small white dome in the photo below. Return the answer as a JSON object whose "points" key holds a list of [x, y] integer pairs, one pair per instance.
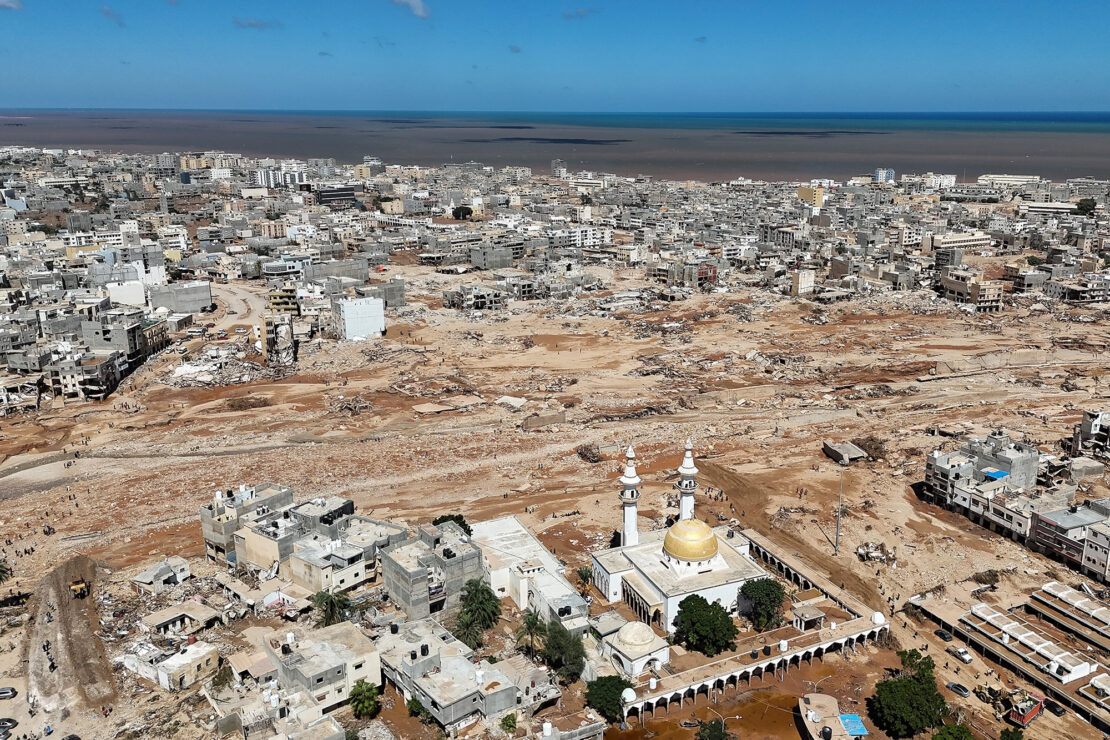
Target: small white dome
{"points": [[878, 618], [635, 634], [628, 695]]}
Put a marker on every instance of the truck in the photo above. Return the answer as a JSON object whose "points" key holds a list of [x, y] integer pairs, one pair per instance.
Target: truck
{"points": [[959, 653]]}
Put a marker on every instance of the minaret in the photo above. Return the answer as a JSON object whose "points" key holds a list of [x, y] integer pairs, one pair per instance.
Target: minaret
{"points": [[630, 498], [687, 484]]}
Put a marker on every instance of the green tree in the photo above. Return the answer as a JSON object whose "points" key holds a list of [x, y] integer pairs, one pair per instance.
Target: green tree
{"points": [[714, 730], [909, 703], [1011, 733], [532, 627], [364, 700], [349, 734], [461, 213], [332, 607], [604, 695], [5, 570], [508, 724], [1033, 260], [1085, 206], [481, 603], [704, 627], [953, 732], [765, 596], [564, 652], [468, 630], [457, 519]]}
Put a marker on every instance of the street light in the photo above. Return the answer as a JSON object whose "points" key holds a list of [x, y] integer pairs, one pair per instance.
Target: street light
{"points": [[817, 682], [724, 719]]}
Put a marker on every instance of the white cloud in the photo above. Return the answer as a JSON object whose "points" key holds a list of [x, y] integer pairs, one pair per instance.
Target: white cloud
{"points": [[11, 5], [418, 7]]}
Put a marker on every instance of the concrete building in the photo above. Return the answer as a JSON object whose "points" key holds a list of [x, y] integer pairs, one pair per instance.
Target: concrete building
{"points": [[967, 286], [193, 297], [358, 318], [517, 565], [425, 662], [326, 662], [993, 457], [425, 574], [219, 518]]}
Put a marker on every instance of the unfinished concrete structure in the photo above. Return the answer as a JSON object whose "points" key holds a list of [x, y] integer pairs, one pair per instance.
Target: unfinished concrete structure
{"points": [[425, 574]]}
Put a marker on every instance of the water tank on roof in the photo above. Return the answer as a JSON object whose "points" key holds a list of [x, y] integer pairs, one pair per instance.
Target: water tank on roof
{"points": [[652, 683], [547, 729], [424, 650]]}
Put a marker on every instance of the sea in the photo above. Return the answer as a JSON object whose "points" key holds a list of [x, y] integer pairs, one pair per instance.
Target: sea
{"points": [[699, 146]]}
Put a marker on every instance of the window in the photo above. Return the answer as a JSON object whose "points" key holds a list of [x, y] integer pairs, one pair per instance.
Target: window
{"points": [[320, 679], [358, 666]]}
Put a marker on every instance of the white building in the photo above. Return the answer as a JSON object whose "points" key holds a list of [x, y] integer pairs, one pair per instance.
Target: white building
{"points": [[359, 318], [654, 574]]}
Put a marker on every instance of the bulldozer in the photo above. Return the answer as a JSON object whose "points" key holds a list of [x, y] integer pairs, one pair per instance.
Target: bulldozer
{"points": [[79, 588]]}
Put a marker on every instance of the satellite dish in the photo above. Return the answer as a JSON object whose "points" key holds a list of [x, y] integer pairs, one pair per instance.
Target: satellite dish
{"points": [[628, 696]]}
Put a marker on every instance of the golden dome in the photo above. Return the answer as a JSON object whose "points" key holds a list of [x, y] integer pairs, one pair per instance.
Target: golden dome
{"points": [[690, 539]]}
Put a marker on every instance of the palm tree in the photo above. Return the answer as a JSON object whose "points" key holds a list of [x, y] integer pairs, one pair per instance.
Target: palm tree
{"points": [[468, 630], [531, 627], [364, 699], [481, 603], [332, 606], [5, 570]]}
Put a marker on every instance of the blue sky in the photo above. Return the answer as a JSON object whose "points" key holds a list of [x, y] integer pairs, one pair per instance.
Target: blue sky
{"points": [[539, 55]]}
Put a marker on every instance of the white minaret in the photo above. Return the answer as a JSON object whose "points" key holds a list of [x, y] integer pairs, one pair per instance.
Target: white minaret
{"points": [[630, 498], [687, 484]]}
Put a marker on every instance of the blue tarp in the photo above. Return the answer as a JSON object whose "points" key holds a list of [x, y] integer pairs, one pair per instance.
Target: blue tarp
{"points": [[995, 474], [853, 725]]}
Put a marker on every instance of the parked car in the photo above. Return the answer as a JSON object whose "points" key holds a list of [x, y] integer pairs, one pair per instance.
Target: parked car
{"points": [[944, 635], [7, 693], [958, 689], [1055, 708], [7, 723], [960, 653]]}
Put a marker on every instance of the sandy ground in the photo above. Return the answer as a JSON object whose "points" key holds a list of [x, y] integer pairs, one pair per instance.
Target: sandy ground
{"points": [[153, 453]]}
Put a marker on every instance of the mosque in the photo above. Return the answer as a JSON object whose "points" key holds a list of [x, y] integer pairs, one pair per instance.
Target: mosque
{"points": [[654, 574]]}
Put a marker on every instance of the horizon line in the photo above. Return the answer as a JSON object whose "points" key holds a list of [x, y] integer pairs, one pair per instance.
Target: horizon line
{"points": [[560, 113]]}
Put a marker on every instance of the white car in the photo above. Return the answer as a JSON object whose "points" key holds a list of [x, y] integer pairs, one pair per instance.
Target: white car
{"points": [[960, 653]]}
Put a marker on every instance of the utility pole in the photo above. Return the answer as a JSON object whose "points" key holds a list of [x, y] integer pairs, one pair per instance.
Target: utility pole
{"points": [[839, 507]]}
